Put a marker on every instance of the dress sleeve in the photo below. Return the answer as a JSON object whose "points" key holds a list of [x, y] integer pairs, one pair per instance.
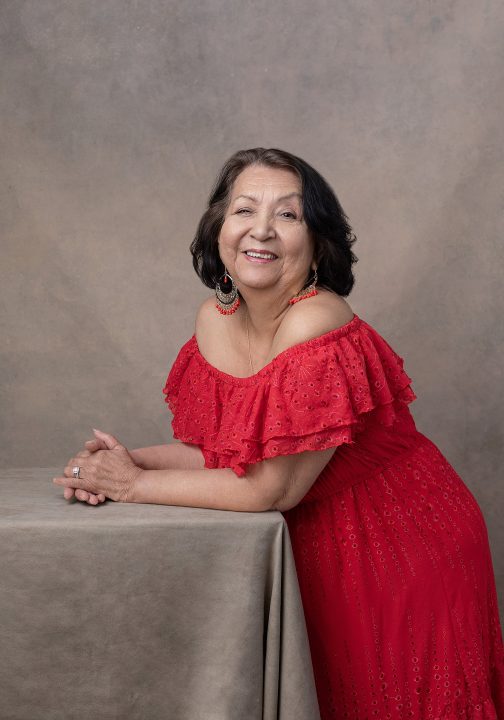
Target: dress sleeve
{"points": [[178, 377], [313, 396]]}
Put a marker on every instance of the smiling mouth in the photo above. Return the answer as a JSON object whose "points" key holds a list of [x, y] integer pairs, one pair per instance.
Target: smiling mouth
{"points": [[260, 255]]}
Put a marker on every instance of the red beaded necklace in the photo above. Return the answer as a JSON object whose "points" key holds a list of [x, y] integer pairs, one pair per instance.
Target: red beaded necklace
{"points": [[228, 300]]}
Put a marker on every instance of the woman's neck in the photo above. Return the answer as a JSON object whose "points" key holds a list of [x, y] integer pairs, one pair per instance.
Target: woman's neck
{"points": [[265, 312]]}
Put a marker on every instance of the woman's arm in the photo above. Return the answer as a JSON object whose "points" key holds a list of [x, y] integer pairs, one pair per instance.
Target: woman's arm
{"points": [[274, 484], [277, 483], [174, 456]]}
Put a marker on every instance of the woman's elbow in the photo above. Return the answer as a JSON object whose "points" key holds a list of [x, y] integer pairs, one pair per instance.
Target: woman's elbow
{"points": [[278, 482], [283, 504], [284, 499]]}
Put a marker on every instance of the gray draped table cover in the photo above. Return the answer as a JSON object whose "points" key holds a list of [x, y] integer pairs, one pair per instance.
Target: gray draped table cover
{"points": [[130, 611]]}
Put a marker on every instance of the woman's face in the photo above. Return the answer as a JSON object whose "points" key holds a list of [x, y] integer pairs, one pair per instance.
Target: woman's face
{"points": [[265, 217]]}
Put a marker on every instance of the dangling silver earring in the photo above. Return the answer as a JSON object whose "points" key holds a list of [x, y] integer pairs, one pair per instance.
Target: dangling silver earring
{"points": [[226, 293]]}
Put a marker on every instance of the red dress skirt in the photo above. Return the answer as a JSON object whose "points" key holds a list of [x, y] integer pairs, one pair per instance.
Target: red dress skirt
{"points": [[390, 546]]}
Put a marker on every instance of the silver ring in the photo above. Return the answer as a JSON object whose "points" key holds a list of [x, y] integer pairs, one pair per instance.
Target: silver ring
{"points": [[76, 471]]}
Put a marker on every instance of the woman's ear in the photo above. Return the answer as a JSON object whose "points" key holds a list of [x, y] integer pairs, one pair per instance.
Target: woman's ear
{"points": [[316, 258]]}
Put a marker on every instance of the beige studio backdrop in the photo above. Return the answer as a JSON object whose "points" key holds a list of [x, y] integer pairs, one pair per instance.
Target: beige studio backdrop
{"points": [[116, 117]]}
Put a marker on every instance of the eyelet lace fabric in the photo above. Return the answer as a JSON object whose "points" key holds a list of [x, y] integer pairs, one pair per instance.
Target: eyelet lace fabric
{"points": [[391, 548], [313, 396]]}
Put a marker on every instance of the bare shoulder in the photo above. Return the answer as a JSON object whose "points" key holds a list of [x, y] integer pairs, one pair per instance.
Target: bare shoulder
{"points": [[206, 313], [313, 317], [208, 322], [214, 332]]}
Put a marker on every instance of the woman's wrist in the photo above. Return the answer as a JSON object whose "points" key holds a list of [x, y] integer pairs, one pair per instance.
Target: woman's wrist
{"points": [[171, 456], [140, 458], [155, 457], [133, 494]]}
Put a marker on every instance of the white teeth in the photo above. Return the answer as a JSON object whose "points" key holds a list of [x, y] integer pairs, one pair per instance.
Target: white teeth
{"points": [[264, 256]]}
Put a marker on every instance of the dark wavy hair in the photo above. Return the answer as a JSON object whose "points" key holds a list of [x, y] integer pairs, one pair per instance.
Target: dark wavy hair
{"points": [[322, 212]]}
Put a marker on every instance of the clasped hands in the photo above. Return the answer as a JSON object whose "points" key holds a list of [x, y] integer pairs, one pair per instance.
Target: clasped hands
{"points": [[107, 471]]}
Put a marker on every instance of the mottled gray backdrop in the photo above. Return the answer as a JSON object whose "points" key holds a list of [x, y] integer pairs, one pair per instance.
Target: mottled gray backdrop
{"points": [[116, 117]]}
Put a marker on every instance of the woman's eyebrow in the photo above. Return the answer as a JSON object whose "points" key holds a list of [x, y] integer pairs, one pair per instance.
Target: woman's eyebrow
{"points": [[284, 197]]}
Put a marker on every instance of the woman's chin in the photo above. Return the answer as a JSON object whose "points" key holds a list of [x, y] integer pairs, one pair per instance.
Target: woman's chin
{"points": [[251, 285], [256, 280]]}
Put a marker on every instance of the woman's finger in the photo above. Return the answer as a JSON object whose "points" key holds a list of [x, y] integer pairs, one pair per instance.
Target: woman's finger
{"points": [[111, 442], [83, 495], [68, 472], [88, 497], [66, 480], [95, 444], [83, 454]]}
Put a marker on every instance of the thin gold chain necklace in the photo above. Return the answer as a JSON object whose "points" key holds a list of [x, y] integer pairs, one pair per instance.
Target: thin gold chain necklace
{"points": [[248, 340], [310, 290]]}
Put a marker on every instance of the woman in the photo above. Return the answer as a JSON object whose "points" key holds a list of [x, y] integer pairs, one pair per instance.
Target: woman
{"points": [[284, 399]]}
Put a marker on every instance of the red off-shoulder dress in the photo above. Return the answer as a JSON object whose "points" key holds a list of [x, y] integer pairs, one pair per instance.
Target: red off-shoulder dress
{"points": [[391, 549]]}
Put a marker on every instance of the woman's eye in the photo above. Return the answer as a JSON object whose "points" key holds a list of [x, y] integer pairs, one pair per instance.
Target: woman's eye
{"points": [[288, 213]]}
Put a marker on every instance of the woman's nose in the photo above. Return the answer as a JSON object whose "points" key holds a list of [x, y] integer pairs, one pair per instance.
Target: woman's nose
{"points": [[262, 227]]}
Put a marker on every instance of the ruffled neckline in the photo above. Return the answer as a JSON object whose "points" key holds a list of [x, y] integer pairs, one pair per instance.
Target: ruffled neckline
{"points": [[318, 341], [317, 394]]}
